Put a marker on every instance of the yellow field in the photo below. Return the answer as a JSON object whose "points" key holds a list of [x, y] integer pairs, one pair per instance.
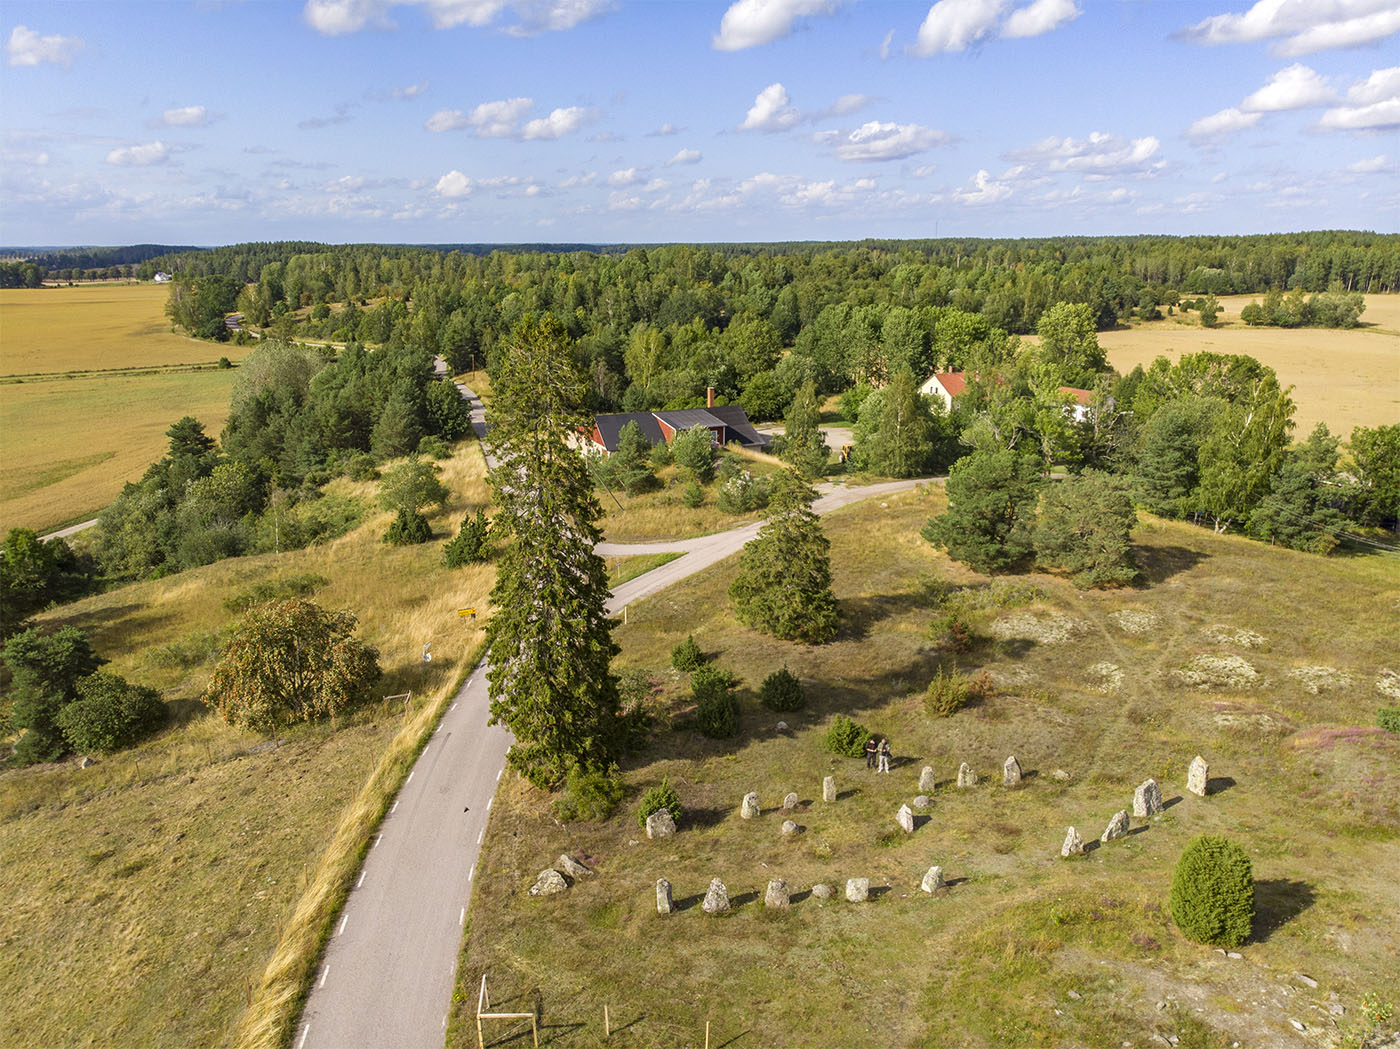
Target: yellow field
{"points": [[1342, 378], [99, 326], [68, 445]]}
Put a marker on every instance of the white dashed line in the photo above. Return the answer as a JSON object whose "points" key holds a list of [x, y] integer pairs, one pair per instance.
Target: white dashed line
{"points": [[471, 874], [304, 1032], [343, 920], [410, 778], [462, 918], [324, 973], [481, 835], [452, 708], [498, 775], [489, 804], [393, 806], [376, 841]]}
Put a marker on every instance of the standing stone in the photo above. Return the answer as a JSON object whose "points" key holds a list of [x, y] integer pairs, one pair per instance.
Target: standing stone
{"points": [[790, 802], [571, 867], [664, 903], [905, 818], [1011, 772], [789, 828], [749, 809], [858, 889], [1074, 844], [933, 880], [1196, 777], [781, 726], [777, 895], [823, 891], [661, 824], [1117, 827], [829, 788], [716, 898], [966, 777], [1147, 799], [927, 782], [549, 883]]}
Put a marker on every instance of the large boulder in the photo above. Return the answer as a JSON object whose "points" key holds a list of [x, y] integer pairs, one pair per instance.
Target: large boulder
{"points": [[716, 898], [1197, 776], [777, 895], [927, 781], [829, 788], [1011, 772], [661, 824], [790, 802], [858, 889], [571, 867], [966, 777], [905, 818], [749, 809], [1147, 799], [933, 880], [1074, 844], [549, 883], [1117, 827]]}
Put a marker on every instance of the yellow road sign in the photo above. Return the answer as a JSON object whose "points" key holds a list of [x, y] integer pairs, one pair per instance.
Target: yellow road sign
{"points": [[467, 612]]}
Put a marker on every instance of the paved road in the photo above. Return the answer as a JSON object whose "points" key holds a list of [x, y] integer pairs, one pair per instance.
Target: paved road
{"points": [[386, 980]]}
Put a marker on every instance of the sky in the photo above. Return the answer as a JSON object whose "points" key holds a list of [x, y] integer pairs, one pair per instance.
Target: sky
{"points": [[602, 121]]}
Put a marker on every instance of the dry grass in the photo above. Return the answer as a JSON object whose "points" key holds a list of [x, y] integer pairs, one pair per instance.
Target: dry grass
{"points": [[1343, 378], [992, 960], [662, 515], [148, 892], [623, 569]]}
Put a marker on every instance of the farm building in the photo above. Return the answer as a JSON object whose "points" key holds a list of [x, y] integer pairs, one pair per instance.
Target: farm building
{"points": [[948, 386], [729, 423]]}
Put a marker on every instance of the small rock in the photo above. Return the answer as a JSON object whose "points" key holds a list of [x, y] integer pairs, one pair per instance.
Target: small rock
{"points": [[1298, 1025], [829, 788], [1147, 799], [1236, 955], [905, 818], [549, 883], [716, 898], [1075, 995], [1220, 950], [790, 802], [781, 726], [922, 802], [1197, 776], [857, 889], [1074, 844], [749, 809], [823, 891], [664, 903], [661, 824], [1306, 981], [777, 895], [927, 782], [966, 777], [933, 880], [571, 867], [1117, 827], [86, 763], [1161, 1006], [633, 841], [1011, 772], [1060, 774], [1174, 1039], [1336, 1009], [789, 828]]}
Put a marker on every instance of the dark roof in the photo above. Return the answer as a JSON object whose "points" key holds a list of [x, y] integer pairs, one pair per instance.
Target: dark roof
{"points": [[685, 418], [610, 427], [734, 417]]}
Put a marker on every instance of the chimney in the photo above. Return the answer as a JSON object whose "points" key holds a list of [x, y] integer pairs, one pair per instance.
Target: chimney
{"points": [[709, 396]]}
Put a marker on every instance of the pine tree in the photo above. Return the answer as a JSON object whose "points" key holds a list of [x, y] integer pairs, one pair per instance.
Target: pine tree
{"points": [[632, 461], [783, 587], [470, 545], [991, 501], [803, 445], [1084, 528], [550, 641], [1297, 512]]}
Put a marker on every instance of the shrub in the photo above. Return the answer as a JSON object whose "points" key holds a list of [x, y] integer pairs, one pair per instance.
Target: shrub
{"points": [[303, 585], [716, 710], [1388, 718], [634, 689], [590, 794], [847, 737], [110, 714], [361, 467], [951, 631], [686, 656], [660, 797], [782, 691], [434, 447], [947, 693], [742, 493], [471, 543], [692, 495], [1212, 894], [409, 527]]}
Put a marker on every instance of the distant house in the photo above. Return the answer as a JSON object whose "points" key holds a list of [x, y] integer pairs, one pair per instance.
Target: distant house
{"points": [[161, 278], [728, 423], [948, 386]]}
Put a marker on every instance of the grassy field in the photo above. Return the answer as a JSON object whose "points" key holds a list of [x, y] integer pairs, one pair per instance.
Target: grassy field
{"points": [[147, 893], [1343, 378], [1092, 696]]}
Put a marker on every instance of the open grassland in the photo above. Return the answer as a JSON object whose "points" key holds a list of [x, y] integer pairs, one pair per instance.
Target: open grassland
{"points": [[1093, 696], [95, 327], [1343, 378], [662, 515], [147, 893], [69, 445]]}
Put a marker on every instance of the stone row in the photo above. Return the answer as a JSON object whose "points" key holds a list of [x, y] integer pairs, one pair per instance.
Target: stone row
{"points": [[779, 897]]}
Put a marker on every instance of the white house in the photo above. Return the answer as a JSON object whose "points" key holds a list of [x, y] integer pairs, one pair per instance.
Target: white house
{"points": [[948, 386], [161, 278]]}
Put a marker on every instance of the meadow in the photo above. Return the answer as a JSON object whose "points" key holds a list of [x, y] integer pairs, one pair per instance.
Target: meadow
{"points": [[1093, 692], [148, 892], [103, 380], [1343, 378]]}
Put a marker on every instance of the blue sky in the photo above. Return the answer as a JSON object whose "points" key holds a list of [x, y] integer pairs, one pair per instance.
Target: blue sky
{"points": [[619, 120]]}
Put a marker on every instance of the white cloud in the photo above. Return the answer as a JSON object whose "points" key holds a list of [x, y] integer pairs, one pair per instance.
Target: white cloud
{"points": [[752, 23], [1098, 155], [140, 156], [955, 25], [552, 16], [923, 171], [1382, 84], [1226, 122], [983, 189], [447, 120], [560, 122], [453, 184], [771, 111], [1372, 104], [664, 130], [1296, 87], [344, 184], [684, 156], [339, 17], [499, 119], [1371, 166], [844, 106], [625, 177], [27, 48], [1040, 17], [185, 116], [411, 91], [1302, 27], [887, 141]]}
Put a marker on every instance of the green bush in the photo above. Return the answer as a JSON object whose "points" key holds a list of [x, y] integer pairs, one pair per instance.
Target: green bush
{"points": [[947, 693], [472, 543], [590, 794], [1212, 894], [716, 710], [634, 691], [692, 495], [781, 690], [302, 585], [686, 656], [434, 447], [361, 467], [409, 527], [109, 714], [846, 737], [660, 797], [1388, 718]]}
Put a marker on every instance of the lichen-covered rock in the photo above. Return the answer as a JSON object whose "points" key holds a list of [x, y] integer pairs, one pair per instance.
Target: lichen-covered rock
{"points": [[1011, 772], [1117, 827], [664, 903], [858, 889], [905, 818], [716, 898], [789, 828], [966, 776], [661, 824], [571, 867], [549, 883], [922, 802], [933, 880], [749, 809], [790, 802], [927, 782], [776, 896], [1074, 844], [1197, 776], [1147, 799], [823, 891], [829, 788]]}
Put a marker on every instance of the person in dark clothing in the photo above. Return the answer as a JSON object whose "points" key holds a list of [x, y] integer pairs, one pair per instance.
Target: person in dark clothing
{"points": [[872, 750]]}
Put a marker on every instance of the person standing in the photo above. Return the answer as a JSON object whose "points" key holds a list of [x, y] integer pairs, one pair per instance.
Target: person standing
{"points": [[872, 750], [884, 756]]}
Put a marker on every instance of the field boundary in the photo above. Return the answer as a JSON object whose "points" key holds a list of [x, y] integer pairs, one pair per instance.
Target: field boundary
{"points": [[112, 373], [270, 1019]]}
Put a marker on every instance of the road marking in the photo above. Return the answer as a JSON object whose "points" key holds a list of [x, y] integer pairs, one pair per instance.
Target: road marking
{"points": [[452, 708], [444, 1021], [394, 806], [304, 1032], [481, 835], [488, 804], [462, 918], [362, 879], [410, 778], [471, 874], [376, 841], [343, 920], [498, 775], [324, 973]]}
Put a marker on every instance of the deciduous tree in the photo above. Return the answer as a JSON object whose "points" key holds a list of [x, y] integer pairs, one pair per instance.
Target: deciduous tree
{"points": [[803, 444]]}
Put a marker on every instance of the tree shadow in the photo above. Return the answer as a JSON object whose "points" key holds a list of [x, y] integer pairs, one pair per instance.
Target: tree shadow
{"points": [[732, 1041], [1157, 564], [630, 1023], [1278, 901], [860, 614], [1218, 785]]}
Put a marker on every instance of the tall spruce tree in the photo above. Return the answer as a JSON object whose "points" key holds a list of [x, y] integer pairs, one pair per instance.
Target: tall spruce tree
{"points": [[804, 445], [550, 641], [784, 583]]}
